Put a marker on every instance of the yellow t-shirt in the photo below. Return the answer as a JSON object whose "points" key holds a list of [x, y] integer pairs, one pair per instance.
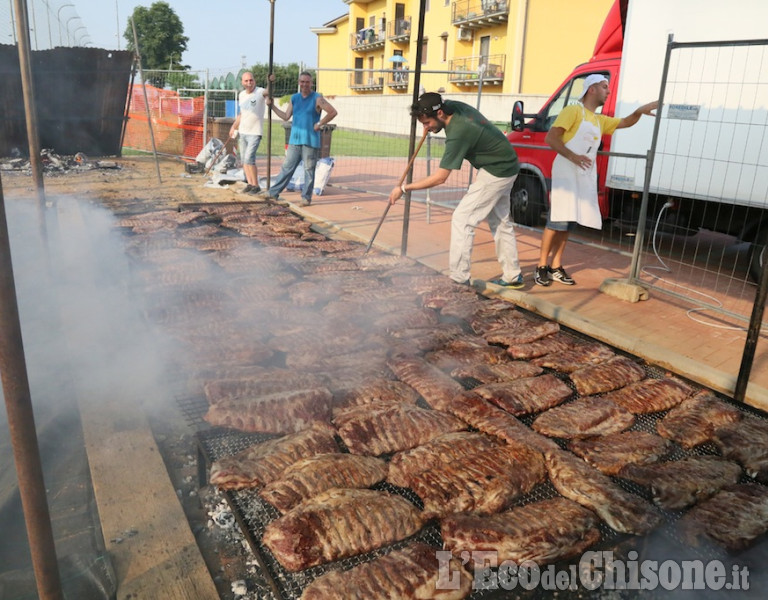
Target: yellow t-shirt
{"points": [[571, 116]]}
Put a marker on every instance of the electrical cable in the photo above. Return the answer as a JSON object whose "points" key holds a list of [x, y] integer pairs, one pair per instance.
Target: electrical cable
{"points": [[689, 313]]}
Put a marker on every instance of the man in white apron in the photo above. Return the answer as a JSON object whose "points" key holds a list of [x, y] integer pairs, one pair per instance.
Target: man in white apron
{"points": [[575, 136]]}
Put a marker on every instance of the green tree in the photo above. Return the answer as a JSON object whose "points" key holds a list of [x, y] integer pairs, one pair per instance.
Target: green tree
{"points": [[286, 77], [161, 37]]}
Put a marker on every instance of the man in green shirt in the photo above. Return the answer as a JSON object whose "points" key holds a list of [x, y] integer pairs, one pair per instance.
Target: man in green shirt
{"points": [[469, 135]]}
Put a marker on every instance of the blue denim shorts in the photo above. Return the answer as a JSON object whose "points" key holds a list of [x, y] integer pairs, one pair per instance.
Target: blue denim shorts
{"points": [[559, 225], [249, 144]]}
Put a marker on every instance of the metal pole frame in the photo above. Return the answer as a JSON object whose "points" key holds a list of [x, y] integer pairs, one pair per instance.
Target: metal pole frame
{"points": [[137, 55], [21, 424], [270, 91], [414, 121]]}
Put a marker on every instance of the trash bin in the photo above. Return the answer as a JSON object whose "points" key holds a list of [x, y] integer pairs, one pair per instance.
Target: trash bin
{"points": [[326, 133]]}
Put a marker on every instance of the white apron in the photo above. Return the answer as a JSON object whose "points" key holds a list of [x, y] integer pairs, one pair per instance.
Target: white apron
{"points": [[574, 190]]}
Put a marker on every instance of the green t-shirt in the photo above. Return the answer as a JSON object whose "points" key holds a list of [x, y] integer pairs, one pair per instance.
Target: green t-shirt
{"points": [[470, 136]]}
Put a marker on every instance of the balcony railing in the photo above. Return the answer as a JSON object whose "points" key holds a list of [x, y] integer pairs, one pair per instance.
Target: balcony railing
{"points": [[398, 79], [367, 39], [468, 71], [370, 80], [399, 30], [479, 13], [366, 80]]}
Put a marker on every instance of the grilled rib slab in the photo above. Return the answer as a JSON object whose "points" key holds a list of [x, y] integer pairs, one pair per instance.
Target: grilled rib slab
{"points": [[408, 574], [281, 412], [734, 518], [380, 428], [746, 442], [446, 448], [609, 453], [651, 395], [485, 484], [527, 395], [694, 421], [339, 523], [583, 418], [607, 376], [311, 476], [680, 483], [262, 463], [621, 510], [544, 532]]}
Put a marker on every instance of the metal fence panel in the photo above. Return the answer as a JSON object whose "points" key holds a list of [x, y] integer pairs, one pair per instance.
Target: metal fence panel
{"points": [[708, 189]]}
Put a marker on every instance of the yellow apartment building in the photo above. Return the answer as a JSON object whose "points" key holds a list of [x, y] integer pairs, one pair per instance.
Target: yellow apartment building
{"points": [[517, 46]]}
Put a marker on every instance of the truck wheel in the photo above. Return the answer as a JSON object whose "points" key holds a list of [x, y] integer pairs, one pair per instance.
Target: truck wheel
{"points": [[527, 201], [758, 254]]}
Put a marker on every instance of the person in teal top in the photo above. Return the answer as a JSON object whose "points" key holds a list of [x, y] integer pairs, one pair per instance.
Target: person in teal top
{"points": [[470, 136], [306, 108]]}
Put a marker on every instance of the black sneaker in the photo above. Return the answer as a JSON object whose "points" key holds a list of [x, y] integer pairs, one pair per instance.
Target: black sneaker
{"points": [[254, 189], [515, 284], [247, 189], [560, 275], [541, 276]]}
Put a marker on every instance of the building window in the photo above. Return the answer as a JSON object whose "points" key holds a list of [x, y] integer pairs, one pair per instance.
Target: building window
{"points": [[444, 41], [424, 52]]}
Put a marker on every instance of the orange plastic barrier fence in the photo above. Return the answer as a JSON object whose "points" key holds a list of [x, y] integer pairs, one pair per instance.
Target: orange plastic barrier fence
{"points": [[177, 123]]}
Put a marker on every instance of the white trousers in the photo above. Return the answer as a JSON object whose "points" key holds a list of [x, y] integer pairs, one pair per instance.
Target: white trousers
{"points": [[486, 199]]}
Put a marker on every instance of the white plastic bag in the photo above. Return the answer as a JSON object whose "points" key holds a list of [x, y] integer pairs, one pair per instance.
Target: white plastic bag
{"points": [[322, 174], [209, 151]]}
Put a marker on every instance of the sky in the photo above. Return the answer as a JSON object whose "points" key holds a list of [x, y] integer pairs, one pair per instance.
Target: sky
{"points": [[222, 32]]}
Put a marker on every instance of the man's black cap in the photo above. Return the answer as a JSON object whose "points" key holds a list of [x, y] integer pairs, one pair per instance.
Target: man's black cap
{"points": [[428, 104]]}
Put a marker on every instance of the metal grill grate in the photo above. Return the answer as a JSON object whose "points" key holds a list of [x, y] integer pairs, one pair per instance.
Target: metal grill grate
{"points": [[254, 514]]}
